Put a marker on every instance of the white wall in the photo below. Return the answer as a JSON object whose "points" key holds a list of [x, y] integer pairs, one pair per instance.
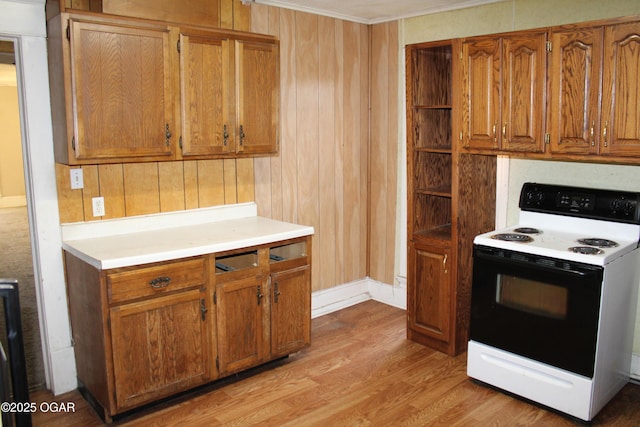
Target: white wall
{"points": [[24, 23]]}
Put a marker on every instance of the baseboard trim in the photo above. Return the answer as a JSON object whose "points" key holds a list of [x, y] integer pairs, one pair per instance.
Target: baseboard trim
{"points": [[635, 367], [339, 297]]}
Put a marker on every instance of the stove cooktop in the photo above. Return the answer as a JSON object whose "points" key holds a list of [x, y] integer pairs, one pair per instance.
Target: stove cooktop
{"points": [[561, 237]]}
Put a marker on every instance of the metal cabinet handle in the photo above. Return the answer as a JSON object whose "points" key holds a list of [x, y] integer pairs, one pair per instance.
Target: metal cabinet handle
{"points": [[604, 134], [225, 135], [167, 133], [259, 294], [444, 263], [592, 133], [276, 293], [242, 135], [160, 282], [203, 310], [504, 131], [495, 138]]}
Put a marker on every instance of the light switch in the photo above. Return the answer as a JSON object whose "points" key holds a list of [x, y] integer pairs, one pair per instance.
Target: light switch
{"points": [[77, 181]]}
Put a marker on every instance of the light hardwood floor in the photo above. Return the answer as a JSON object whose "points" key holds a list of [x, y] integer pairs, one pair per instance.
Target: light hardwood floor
{"points": [[359, 371]]}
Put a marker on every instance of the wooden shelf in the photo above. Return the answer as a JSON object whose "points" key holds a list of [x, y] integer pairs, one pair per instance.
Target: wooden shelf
{"points": [[442, 233]]}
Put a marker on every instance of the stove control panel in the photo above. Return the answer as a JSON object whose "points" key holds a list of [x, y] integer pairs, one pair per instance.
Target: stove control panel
{"points": [[611, 205]]}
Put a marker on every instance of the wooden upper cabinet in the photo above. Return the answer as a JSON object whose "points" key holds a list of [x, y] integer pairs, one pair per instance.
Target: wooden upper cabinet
{"points": [[504, 92], [523, 92], [229, 95], [574, 98], [257, 95], [205, 85], [620, 127], [481, 70], [126, 90], [121, 91]]}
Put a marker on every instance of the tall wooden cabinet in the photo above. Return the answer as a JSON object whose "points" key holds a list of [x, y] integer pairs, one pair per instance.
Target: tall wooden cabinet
{"points": [[438, 194]]}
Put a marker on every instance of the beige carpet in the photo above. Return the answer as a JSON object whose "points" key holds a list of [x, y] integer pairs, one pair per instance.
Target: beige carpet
{"points": [[16, 263]]}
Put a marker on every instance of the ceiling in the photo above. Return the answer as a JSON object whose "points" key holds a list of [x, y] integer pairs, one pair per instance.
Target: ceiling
{"points": [[372, 11]]}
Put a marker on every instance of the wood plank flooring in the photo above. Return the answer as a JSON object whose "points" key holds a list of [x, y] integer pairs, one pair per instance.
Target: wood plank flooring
{"points": [[359, 371]]}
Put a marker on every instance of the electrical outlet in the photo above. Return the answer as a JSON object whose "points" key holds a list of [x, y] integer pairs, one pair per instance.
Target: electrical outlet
{"points": [[77, 181], [98, 206]]}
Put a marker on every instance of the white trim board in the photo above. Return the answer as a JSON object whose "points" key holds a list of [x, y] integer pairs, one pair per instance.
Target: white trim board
{"points": [[339, 297]]}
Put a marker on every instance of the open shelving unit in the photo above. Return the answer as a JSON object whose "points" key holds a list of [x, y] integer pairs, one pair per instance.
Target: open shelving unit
{"points": [[429, 94]]}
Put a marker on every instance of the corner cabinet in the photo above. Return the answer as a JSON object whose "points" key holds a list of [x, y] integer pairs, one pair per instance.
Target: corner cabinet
{"points": [[146, 332], [127, 90], [444, 209]]}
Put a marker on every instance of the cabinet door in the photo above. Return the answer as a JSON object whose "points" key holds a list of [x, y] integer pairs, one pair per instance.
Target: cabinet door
{"points": [[121, 91], [257, 96], [160, 347], [620, 134], [429, 298], [290, 310], [523, 92], [481, 93], [205, 84], [241, 311], [574, 98]]}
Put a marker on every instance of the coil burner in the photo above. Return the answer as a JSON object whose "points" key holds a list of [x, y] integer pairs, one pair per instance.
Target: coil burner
{"points": [[586, 250], [527, 230], [513, 237], [598, 243]]}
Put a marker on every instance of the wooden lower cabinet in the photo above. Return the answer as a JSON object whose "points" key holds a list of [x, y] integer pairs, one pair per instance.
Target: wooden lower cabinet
{"points": [[290, 310], [160, 346], [429, 296], [241, 308], [146, 332]]}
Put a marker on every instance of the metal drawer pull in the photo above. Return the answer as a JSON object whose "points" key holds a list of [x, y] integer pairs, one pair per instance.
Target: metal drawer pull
{"points": [[160, 282]]}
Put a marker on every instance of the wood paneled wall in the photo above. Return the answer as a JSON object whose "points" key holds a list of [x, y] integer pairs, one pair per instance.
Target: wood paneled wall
{"points": [[384, 148], [337, 165]]}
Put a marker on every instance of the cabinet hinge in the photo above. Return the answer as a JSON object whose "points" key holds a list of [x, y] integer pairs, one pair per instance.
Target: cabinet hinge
{"points": [[549, 46], [68, 32], [547, 138], [215, 298], [180, 142], [217, 363], [73, 143], [178, 46]]}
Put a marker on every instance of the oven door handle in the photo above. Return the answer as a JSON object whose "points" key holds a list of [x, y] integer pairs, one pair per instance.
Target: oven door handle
{"points": [[585, 271]]}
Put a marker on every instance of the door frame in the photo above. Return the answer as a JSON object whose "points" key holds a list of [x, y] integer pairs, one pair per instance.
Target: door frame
{"points": [[24, 23]]}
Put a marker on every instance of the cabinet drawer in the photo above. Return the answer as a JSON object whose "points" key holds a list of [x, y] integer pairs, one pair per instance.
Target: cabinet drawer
{"points": [[157, 279]]}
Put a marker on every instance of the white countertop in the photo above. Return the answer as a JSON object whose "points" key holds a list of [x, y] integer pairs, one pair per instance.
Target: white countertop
{"points": [[152, 238]]}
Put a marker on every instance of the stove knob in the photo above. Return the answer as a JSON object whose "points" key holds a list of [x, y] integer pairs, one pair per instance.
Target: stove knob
{"points": [[629, 208], [616, 205]]}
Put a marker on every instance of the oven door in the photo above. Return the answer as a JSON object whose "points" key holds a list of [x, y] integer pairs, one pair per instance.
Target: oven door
{"points": [[541, 308]]}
